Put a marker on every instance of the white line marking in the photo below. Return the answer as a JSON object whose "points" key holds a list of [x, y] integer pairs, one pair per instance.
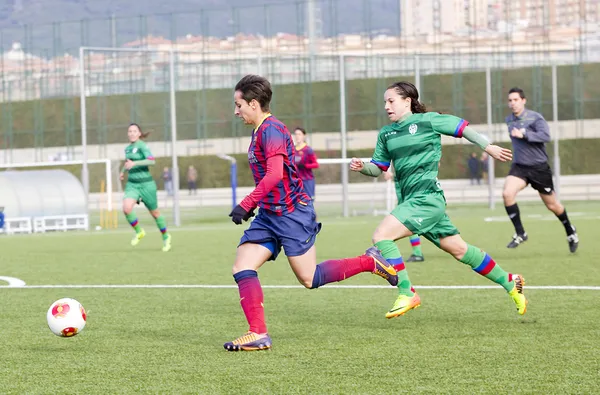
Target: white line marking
{"points": [[12, 282], [211, 286]]}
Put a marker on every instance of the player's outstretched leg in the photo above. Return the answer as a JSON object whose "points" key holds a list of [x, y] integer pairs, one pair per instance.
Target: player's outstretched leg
{"points": [[335, 270], [483, 264], [135, 224], [407, 299], [417, 253]]}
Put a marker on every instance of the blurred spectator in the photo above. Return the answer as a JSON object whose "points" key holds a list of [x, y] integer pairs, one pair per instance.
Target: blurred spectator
{"points": [[474, 166], [484, 166], [168, 181], [192, 180]]}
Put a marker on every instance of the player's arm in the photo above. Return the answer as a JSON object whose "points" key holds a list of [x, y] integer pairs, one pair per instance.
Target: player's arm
{"points": [[380, 161], [454, 126], [539, 132], [124, 169], [148, 157], [311, 160], [389, 175], [274, 146], [147, 161]]}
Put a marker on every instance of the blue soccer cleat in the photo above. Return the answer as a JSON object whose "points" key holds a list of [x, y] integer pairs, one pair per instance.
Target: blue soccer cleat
{"points": [[382, 266]]}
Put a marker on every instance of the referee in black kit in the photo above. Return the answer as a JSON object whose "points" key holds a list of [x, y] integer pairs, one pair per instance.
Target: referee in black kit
{"points": [[529, 133]]}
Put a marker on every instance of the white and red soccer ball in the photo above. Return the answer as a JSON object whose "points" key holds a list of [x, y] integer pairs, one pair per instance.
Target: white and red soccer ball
{"points": [[66, 317]]}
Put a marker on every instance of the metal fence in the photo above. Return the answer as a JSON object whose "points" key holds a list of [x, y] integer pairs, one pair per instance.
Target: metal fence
{"points": [[298, 46]]}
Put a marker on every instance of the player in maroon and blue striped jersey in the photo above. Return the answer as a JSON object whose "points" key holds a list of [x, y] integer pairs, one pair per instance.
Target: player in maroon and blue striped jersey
{"points": [[286, 217], [306, 161]]}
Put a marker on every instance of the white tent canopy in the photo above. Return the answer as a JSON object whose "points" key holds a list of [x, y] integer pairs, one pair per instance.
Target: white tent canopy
{"points": [[48, 198]]}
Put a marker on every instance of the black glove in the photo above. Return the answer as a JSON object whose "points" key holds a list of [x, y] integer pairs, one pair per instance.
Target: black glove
{"points": [[238, 214], [300, 165]]}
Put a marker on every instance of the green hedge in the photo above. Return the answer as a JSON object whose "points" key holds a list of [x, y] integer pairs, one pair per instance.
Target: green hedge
{"points": [[209, 113], [577, 157]]}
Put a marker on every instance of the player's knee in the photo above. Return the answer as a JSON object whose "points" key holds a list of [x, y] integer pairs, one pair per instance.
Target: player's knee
{"points": [[307, 283], [459, 251], [454, 246], [555, 207], [379, 235], [508, 196]]}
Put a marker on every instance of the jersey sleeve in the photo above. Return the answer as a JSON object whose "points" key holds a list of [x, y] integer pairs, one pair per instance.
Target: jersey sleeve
{"points": [[381, 156], [273, 142], [312, 157], [449, 125], [146, 152]]}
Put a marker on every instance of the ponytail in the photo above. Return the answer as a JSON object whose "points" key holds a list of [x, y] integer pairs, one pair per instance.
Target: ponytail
{"points": [[417, 107]]}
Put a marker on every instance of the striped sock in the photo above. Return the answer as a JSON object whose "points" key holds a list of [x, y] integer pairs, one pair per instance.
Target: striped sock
{"points": [[391, 253], [133, 221], [335, 270], [415, 242], [161, 223], [483, 264]]}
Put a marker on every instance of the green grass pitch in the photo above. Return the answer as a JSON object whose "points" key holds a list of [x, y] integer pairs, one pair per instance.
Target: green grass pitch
{"points": [[330, 340]]}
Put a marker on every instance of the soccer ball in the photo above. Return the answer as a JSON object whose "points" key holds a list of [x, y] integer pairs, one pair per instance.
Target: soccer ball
{"points": [[66, 317]]}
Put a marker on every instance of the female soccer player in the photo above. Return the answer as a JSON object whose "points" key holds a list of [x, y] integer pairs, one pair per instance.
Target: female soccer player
{"points": [[412, 143], [286, 217], [306, 161], [140, 186]]}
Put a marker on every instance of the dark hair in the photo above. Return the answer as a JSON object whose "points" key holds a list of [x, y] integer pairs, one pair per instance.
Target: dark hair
{"points": [[406, 89], [517, 90], [300, 129], [255, 87], [143, 135]]}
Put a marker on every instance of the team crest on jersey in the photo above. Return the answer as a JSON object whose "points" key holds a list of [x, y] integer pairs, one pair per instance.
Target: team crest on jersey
{"points": [[412, 129], [134, 150]]}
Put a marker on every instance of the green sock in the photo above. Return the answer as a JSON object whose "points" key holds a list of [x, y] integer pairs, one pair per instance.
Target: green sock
{"points": [[133, 221], [162, 226], [415, 242], [391, 253], [483, 264]]}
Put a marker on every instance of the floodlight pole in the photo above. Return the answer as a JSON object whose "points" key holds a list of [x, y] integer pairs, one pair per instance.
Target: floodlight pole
{"points": [[85, 176], [556, 137], [174, 165]]}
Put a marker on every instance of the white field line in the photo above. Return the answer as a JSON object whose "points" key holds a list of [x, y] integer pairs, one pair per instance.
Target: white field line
{"points": [[232, 286]]}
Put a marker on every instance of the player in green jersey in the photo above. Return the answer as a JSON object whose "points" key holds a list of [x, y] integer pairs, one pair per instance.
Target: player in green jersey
{"points": [[140, 186], [412, 145]]}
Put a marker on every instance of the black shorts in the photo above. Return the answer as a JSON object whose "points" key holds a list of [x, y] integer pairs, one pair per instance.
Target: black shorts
{"points": [[539, 176]]}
